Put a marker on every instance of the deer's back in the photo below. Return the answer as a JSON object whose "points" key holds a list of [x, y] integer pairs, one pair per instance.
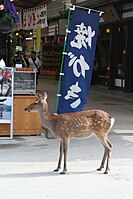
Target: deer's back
{"points": [[82, 124]]}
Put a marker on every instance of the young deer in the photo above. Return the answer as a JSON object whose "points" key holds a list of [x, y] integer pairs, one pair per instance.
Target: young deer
{"points": [[75, 125]]}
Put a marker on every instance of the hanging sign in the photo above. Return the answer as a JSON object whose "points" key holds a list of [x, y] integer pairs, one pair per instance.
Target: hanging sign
{"points": [[35, 17], [79, 60]]}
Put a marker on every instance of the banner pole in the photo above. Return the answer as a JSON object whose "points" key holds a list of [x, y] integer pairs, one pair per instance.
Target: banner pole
{"points": [[62, 61], [100, 12]]}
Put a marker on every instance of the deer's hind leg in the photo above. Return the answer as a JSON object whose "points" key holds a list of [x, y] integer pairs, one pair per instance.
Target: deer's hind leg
{"points": [[107, 150], [103, 160], [108, 157]]}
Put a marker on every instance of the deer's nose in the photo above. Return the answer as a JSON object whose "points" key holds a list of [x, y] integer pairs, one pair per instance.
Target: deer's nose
{"points": [[26, 109]]}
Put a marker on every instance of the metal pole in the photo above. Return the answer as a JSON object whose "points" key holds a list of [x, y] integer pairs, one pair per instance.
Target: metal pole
{"points": [[62, 62]]}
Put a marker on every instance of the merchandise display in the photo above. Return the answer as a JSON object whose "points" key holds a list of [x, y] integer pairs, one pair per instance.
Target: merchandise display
{"points": [[24, 81], [17, 88], [51, 56]]}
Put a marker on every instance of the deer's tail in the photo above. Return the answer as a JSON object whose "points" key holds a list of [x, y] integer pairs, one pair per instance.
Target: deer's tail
{"points": [[112, 122]]}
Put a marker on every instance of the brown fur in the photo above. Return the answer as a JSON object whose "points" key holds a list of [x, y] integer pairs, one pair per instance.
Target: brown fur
{"points": [[75, 125]]}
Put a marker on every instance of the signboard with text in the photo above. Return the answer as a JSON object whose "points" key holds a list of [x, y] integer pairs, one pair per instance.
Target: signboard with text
{"points": [[79, 60], [35, 17]]}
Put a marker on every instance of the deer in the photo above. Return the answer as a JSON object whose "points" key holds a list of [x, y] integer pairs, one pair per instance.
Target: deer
{"points": [[78, 125]]}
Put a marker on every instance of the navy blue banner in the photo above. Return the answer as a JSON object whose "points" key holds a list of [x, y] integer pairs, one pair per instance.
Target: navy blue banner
{"points": [[79, 60]]}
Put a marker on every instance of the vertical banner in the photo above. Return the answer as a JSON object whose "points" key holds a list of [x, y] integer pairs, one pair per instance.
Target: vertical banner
{"points": [[79, 60]]}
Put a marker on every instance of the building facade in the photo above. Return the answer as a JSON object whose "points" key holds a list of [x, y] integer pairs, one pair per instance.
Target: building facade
{"points": [[115, 43]]}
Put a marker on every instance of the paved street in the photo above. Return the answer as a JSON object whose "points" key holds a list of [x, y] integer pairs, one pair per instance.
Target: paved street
{"points": [[27, 162]]}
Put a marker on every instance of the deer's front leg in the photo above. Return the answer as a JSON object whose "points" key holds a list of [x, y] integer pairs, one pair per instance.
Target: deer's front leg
{"points": [[60, 157], [65, 148]]}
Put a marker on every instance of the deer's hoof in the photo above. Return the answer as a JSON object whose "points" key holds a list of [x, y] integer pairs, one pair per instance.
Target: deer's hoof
{"points": [[56, 170], [106, 172], [99, 169], [63, 172]]}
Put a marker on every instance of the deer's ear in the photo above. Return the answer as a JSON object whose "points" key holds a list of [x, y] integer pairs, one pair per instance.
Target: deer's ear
{"points": [[45, 95]]}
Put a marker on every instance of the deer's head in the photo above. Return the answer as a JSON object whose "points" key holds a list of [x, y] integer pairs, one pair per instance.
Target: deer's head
{"points": [[39, 104]]}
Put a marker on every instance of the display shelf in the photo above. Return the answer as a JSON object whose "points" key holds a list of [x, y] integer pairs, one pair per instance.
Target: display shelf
{"points": [[49, 73], [6, 100], [51, 56], [51, 62], [24, 82], [24, 123]]}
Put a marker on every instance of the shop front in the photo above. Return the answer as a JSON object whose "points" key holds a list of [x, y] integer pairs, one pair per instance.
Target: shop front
{"points": [[18, 90], [115, 44]]}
